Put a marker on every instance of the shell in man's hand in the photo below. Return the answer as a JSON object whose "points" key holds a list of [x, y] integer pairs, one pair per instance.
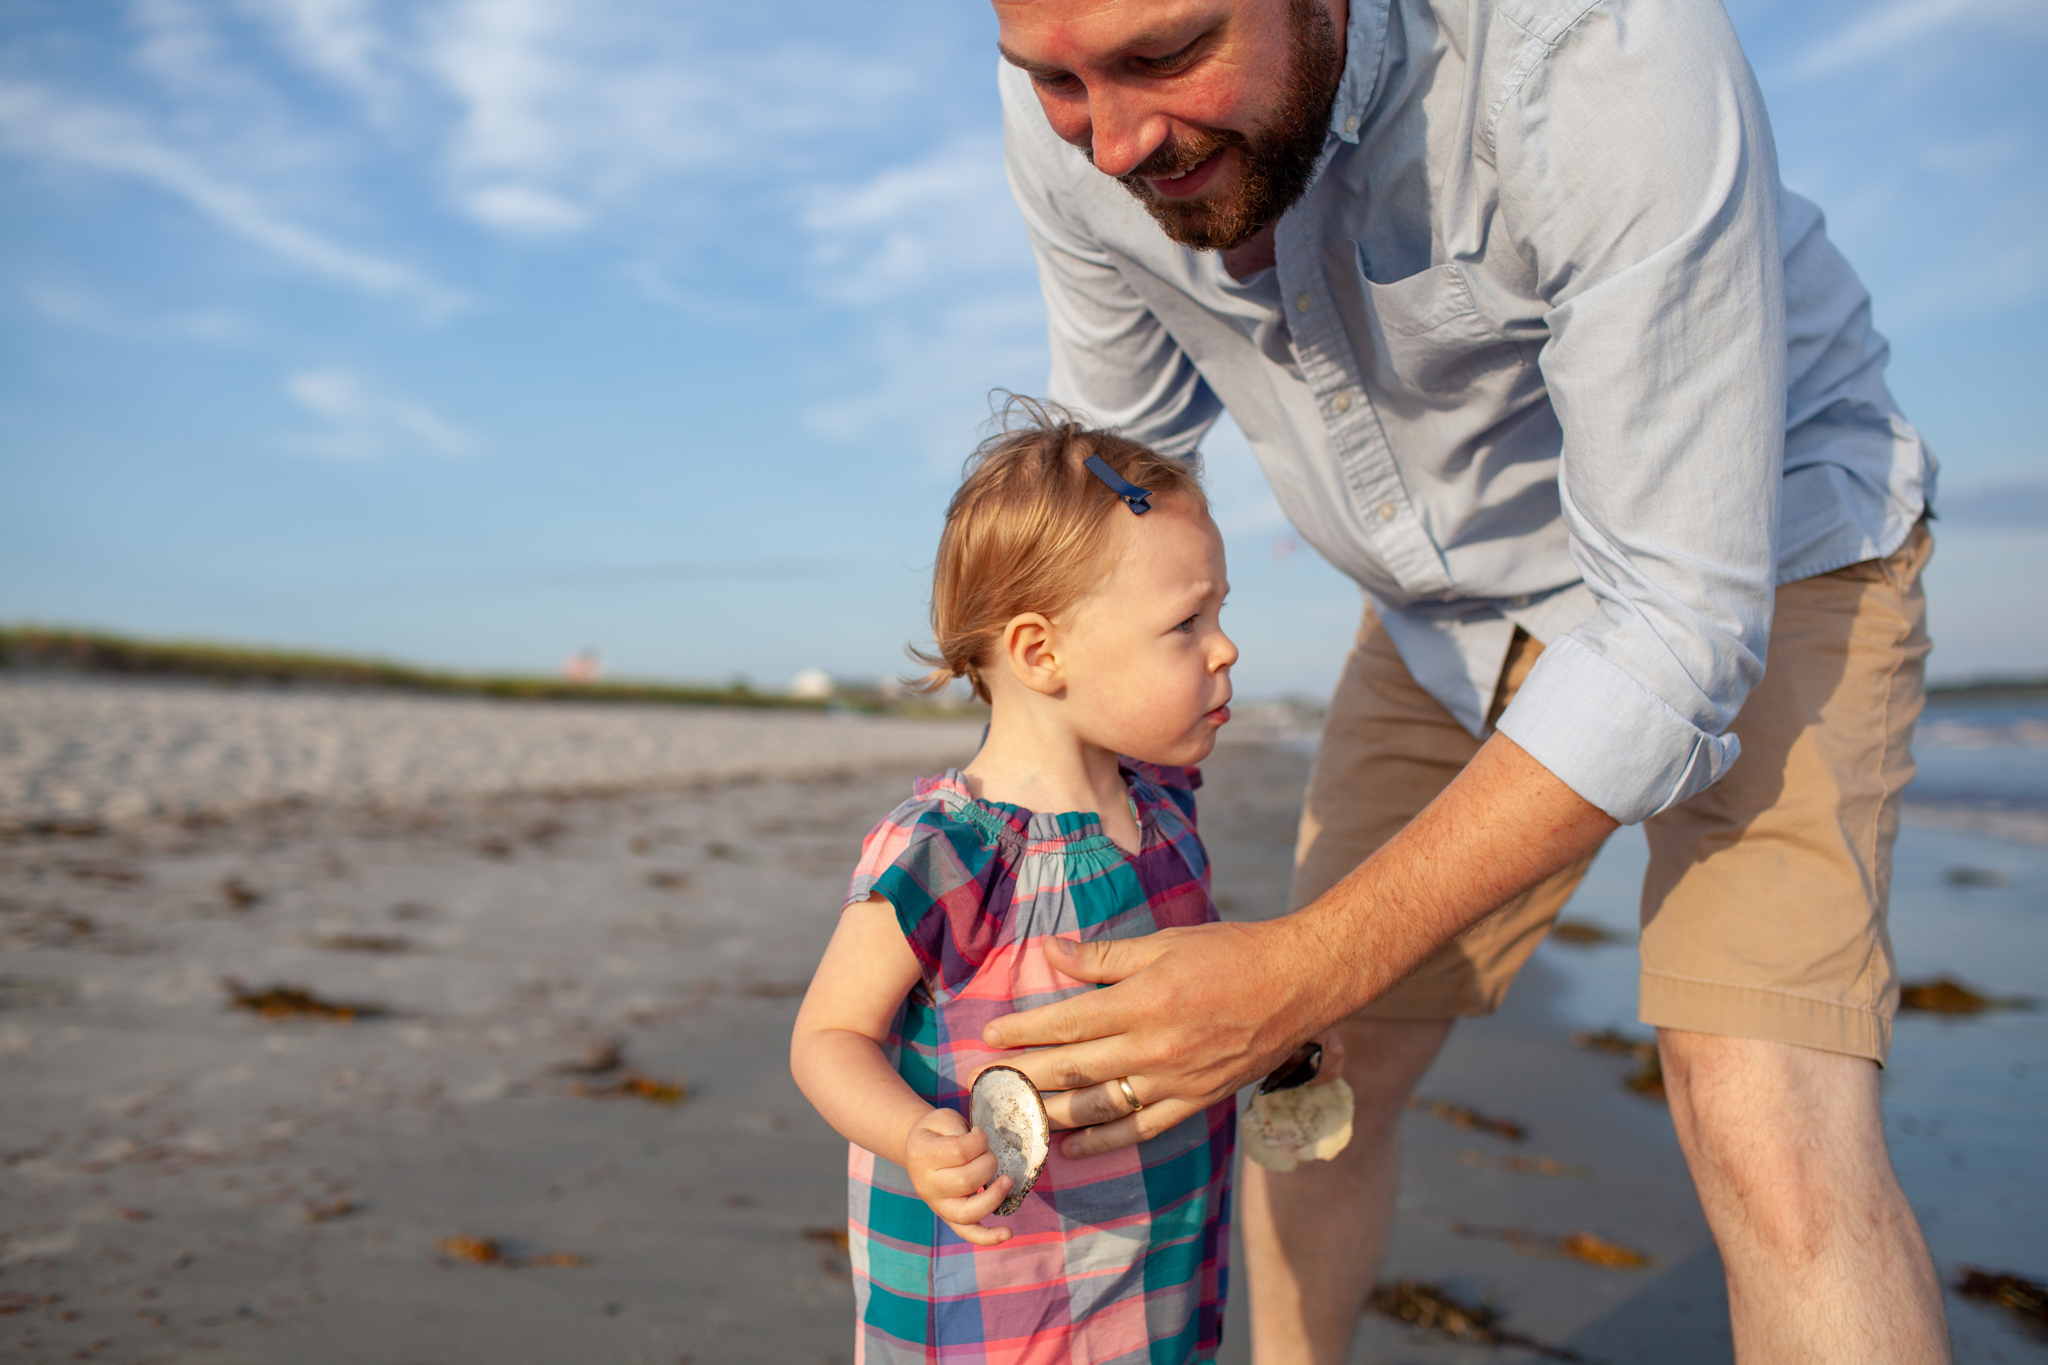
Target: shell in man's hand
{"points": [[1307, 1123]]}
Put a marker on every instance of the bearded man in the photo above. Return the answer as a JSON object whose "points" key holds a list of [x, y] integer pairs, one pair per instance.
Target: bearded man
{"points": [[1530, 342]]}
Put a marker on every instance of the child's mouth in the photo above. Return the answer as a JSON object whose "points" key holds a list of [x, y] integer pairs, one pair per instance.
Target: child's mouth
{"points": [[1219, 716]]}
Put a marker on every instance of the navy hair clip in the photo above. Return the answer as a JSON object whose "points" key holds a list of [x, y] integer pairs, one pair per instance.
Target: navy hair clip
{"points": [[1139, 500]]}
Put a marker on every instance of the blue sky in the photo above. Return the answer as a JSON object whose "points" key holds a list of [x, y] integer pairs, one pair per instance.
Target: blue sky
{"points": [[472, 332]]}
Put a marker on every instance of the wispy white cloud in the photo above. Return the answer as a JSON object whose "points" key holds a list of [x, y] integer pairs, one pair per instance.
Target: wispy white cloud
{"points": [[39, 122], [179, 45], [945, 216], [363, 421], [87, 310], [564, 109], [343, 42], [931, 252], [524, 210], [1900, 25], [534, 119]]}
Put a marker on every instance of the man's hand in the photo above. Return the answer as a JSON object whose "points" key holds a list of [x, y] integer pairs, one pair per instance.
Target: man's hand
{"points": [[1196, 1013], [1201, 1012], [953, 1171]]}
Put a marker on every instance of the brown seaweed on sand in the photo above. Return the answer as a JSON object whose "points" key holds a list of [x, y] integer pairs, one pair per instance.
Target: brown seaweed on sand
{"points": [[364, 943], [2022, 1296], [633, 1085], [1524, 1165], [1589, 1247], [280, 1002], [490, 1251], [1616, 1042], [1584, 933], [1458, 1116], [239, 895], [1945, 995], [1432, 1309], [1647, 1079], [834, 1262]]}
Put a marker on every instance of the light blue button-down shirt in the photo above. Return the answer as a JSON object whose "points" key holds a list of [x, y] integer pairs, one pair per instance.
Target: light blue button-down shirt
{"points": [[1547, 345]]}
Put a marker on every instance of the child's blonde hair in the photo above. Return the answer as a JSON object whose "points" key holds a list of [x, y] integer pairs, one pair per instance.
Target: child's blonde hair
{"points": [[1027, 530]]}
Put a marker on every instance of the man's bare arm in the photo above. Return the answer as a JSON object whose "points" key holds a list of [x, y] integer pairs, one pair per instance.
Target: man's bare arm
{"points": [[1199, 1012]]}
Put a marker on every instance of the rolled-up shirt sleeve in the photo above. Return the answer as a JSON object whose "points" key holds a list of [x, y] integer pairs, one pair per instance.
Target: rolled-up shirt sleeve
{"points": [[1113, 361], [1638, 180]]}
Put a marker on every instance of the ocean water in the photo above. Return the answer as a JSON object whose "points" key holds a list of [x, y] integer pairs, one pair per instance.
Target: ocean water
{"points": [[1965, 1097], [1985, 767]]}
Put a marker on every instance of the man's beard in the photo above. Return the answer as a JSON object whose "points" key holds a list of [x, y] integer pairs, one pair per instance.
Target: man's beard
{"points": [[1276, 161]]}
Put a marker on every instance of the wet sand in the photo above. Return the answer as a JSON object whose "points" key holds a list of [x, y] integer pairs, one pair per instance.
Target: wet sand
{"points": [[184, 1182]]}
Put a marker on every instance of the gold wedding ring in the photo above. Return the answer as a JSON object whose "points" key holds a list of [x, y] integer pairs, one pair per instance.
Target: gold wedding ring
{"points": [[1130, 1095]]}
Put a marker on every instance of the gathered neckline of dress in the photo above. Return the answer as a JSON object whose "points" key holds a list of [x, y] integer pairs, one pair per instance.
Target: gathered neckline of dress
{"points": [[1026, 830]]}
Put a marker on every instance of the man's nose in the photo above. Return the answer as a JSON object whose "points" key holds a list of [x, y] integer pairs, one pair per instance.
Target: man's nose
{"points": [[1123, 129]]}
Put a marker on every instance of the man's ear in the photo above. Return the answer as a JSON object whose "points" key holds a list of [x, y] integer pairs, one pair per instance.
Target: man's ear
{"points": [[1029, 650]]}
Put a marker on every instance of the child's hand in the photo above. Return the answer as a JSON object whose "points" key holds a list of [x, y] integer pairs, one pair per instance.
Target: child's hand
{"points": [[949, 1165]]}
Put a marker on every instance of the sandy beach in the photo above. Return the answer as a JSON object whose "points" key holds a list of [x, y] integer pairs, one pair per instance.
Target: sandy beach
{"points": [[113, 750], [559, 1125]]}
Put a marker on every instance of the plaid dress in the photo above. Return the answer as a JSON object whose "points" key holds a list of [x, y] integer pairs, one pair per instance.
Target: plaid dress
{"points": [[1114, 1258]]}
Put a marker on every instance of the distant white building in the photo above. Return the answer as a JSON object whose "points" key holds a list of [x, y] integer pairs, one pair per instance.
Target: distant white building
{"points": [[813, 684]]}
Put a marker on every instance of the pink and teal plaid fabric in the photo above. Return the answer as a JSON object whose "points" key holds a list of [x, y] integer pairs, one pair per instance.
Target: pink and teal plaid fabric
{"points": [[1115, 1258]]}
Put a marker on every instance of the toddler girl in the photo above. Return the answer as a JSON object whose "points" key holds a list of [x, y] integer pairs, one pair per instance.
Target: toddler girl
{"points": [[1077, 589]]}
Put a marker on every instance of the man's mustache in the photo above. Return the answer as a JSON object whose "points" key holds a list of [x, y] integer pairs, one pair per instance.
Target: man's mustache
{"points": [[1175, 156]]}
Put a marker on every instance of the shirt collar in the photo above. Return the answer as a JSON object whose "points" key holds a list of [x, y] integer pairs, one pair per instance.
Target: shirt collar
{"points": [[1365, 41]]}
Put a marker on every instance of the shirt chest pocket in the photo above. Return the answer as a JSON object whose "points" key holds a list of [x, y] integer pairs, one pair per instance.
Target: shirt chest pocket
{"points": [[1424, 334]]}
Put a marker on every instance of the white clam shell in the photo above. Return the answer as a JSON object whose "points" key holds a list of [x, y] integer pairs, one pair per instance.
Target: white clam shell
{"points": [[1287, 1127], [1007, 1108]]}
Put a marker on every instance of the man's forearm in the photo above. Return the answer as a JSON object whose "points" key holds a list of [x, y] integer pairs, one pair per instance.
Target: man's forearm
{"points": [[1502, 826]]}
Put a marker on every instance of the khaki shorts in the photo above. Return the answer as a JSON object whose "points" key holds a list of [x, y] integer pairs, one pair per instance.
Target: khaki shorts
{"points": [[1764, 906]]}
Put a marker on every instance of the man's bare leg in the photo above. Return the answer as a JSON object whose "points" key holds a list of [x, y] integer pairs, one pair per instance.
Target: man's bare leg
{"points": [[1825, 1260], [1314, 1237]]}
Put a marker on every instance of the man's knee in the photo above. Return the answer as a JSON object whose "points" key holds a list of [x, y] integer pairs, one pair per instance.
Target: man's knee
{"points": [[1785, 1140]]}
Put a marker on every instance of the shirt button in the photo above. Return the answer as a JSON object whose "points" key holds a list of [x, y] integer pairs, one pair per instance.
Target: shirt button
{"points": [[1386, 511], [1303, 303], [1342, 402], [1351, 124]]}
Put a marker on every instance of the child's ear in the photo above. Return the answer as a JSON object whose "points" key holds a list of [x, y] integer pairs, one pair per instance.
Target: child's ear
{"points": [[1029, 651]]}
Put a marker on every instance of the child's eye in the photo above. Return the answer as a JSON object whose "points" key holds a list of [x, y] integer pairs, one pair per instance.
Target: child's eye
{"points": [[1187, 627]]}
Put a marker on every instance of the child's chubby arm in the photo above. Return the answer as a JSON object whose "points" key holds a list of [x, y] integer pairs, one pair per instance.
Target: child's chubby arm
{"points": [[835, 1053]]}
